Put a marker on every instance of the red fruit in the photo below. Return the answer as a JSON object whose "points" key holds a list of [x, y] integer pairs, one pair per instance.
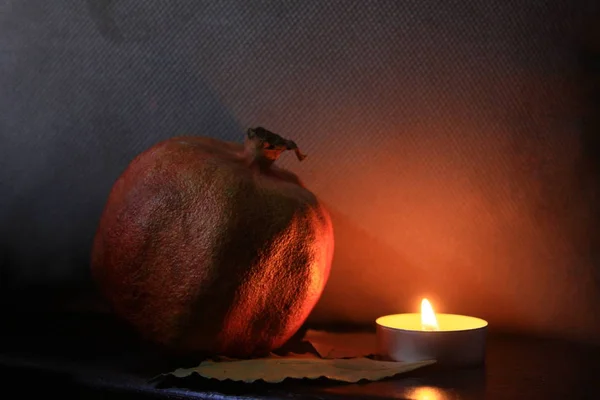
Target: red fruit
{"points": [[205, 246]]}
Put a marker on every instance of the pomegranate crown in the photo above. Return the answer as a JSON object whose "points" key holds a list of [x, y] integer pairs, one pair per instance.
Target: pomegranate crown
{"points": [[271, 141]]}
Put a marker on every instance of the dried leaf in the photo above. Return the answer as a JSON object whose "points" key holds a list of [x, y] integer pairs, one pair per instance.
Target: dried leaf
{"points": [[341, 345], [275, 369]]}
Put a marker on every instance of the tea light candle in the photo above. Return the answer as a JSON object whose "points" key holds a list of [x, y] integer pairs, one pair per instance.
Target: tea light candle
{"points": [[451, 339]]}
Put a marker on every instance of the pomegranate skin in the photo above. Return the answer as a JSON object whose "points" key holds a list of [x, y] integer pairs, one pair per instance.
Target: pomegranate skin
{"points": [[205, 246]]}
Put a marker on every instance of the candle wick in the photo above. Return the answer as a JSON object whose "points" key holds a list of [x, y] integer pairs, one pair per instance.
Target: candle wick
{"points": [[429, 328]]}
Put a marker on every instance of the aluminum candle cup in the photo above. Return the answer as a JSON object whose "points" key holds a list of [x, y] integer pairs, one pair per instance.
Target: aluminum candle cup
{"points": [[458, 340]]}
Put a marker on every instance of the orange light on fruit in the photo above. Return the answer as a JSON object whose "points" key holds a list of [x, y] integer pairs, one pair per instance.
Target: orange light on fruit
{"points": [[428, 318]]}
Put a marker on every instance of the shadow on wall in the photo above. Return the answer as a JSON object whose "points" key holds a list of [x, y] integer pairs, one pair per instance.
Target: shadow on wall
{"points": [[77, 108], [589, 62]]}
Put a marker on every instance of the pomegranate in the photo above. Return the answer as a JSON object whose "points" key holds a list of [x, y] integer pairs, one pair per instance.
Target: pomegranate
{"points": [[206, 246]]}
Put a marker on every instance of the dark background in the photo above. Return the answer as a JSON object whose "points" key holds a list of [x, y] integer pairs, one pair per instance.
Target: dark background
{"points": [[454, 142]]}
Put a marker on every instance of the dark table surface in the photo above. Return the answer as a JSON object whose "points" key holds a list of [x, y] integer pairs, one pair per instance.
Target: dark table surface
{"points": [[92, 356]]}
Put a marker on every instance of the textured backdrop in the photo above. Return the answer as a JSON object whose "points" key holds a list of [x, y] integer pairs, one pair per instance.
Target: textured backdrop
{"points": [[455, 142]]}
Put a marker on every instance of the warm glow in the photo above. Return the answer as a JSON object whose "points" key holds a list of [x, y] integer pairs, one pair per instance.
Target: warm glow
{"points": [[426, 393], [428, 318]]}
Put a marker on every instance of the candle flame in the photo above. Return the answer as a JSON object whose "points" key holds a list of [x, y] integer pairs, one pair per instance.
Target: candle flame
{"points": [[428, 319]]}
